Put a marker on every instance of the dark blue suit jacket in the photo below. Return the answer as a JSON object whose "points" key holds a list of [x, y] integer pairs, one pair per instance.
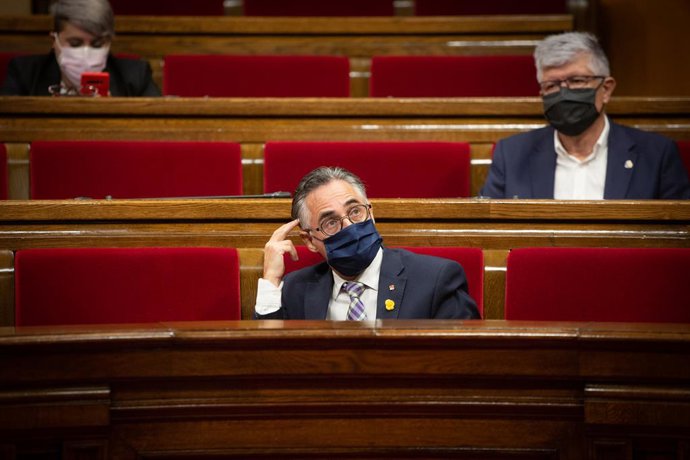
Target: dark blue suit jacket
{"points": [[524, 166], [424, 287], [32, 75]]}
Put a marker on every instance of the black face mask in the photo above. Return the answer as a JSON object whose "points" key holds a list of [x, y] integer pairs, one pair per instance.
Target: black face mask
{"points": [[352, 249], [571, 111]]}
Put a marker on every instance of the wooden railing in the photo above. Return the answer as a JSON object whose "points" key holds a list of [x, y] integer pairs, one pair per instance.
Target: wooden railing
{"points": [[252, 122], [358, 38], [406, 389], [496, 226]]}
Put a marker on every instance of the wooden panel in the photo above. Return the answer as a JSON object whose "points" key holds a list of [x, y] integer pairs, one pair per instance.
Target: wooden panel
{"points": [[315, 389]]}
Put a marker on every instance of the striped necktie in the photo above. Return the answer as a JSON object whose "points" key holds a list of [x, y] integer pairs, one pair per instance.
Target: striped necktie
{"points": [[356, 310]]}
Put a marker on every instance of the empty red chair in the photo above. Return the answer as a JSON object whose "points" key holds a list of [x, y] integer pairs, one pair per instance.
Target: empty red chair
{"points": [[684, 150], [388, 169], [471, 259], [598, 284], [134, 169], [3, 172], [125, 285], [256, 76], [318, 8], [168, 8], [470, 7], [453, 76]]}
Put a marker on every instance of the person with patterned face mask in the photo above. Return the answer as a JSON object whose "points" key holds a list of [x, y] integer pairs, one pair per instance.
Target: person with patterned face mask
{"points": [[359, 279], [582, 154], [83, 31]]}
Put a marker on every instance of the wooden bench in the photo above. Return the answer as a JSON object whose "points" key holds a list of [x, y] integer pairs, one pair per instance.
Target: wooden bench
{"points": [[252, 122], [496, 226], [358, 38], [316, 389]]}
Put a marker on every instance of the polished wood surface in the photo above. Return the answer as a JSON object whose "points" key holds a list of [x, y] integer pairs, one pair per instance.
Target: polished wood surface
{"points": [[496, 226], [252, 122], [400, 389]]}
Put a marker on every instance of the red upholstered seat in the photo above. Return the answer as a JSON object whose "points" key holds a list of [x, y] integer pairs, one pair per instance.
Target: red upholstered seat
{"points": [[388, 169], [134, 169], [471, 259], [684, 149], [168, 8], [256, 76], [468, 7], [3, 172], [453, 76], [125, 285], [318, 8], [598, 284]]}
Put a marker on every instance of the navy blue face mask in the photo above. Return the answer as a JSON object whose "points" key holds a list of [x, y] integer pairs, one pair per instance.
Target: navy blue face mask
{"points": [[351, 250]]}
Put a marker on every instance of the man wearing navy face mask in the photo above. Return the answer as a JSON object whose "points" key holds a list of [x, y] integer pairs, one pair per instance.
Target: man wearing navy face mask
{"points": [[582, 154], [360, 279]]}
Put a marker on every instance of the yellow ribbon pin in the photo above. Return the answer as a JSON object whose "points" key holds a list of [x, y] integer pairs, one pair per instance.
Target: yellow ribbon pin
{"points": [[390, 305]]}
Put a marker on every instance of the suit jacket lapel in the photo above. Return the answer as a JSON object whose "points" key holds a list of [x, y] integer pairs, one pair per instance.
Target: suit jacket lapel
{"points": [[543, 166], [391, 286], [318, 295], [620, 163]]}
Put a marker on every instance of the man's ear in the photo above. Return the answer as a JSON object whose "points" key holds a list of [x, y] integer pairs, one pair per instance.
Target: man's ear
{"points": [[307, 238], [609, 86]]}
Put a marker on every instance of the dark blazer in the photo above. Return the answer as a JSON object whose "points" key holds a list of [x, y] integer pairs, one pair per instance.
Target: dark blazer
{"points": [[524, 166], [32, 75], [424, 287]]}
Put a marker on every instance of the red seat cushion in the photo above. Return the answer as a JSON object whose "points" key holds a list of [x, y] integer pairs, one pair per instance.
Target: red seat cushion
{"points": [[468, 7], [256, 76], [471, 259], [133, 169], [318, 8], [453, 76], [168, 8], [125, 285], [684, 150], [388, 169], [598, 284]]}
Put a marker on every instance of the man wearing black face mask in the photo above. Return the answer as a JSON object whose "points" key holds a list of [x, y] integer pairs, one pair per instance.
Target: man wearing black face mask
{"points": [[360, 279], [582, 154]]}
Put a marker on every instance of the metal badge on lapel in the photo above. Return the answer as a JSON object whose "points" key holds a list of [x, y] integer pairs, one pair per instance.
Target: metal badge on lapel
{"points": [[390, 305], [628, 164], [391, 287]]}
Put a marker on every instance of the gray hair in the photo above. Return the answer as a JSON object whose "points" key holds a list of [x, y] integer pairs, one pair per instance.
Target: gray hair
{"points": [[93, 16], [561, 49], [316, 178]]}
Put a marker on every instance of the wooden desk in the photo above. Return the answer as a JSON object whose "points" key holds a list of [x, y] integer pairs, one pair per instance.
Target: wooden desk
{"points": [[422, 389], [358, 38], [496, 226], [252, 122]]}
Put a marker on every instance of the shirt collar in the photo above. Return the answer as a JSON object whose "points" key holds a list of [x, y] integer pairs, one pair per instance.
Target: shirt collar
{"points": [[598, 145], [369, 277]]}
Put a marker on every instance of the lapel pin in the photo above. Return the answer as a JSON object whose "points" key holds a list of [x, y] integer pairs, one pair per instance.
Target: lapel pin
{"points": [[628, 164], [391, 287], [390, 305]]}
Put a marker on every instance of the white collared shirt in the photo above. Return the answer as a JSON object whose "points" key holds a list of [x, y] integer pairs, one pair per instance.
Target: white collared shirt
{"points": [[268, 296], [585, 179]]}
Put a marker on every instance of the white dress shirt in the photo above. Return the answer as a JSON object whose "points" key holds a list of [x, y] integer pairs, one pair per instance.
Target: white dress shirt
{"points": [[268, 296], [581, 179]]}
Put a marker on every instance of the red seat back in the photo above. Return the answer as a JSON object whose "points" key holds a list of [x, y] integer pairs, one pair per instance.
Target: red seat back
{"points": [[318, 8], [598, 284], [453, 76], [3, 173], [684, 150], [168, 8], [388, 169], [256, 76], [471, 259], [133, 169], [125, 285], [469, 7]]}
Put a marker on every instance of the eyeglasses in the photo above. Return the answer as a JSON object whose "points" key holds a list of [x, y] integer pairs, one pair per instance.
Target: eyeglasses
{"points": [[356, 214], [576, 82]]}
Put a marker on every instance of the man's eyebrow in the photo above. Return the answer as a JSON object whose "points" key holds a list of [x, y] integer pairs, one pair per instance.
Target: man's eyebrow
{"points": [[332, 213]]}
